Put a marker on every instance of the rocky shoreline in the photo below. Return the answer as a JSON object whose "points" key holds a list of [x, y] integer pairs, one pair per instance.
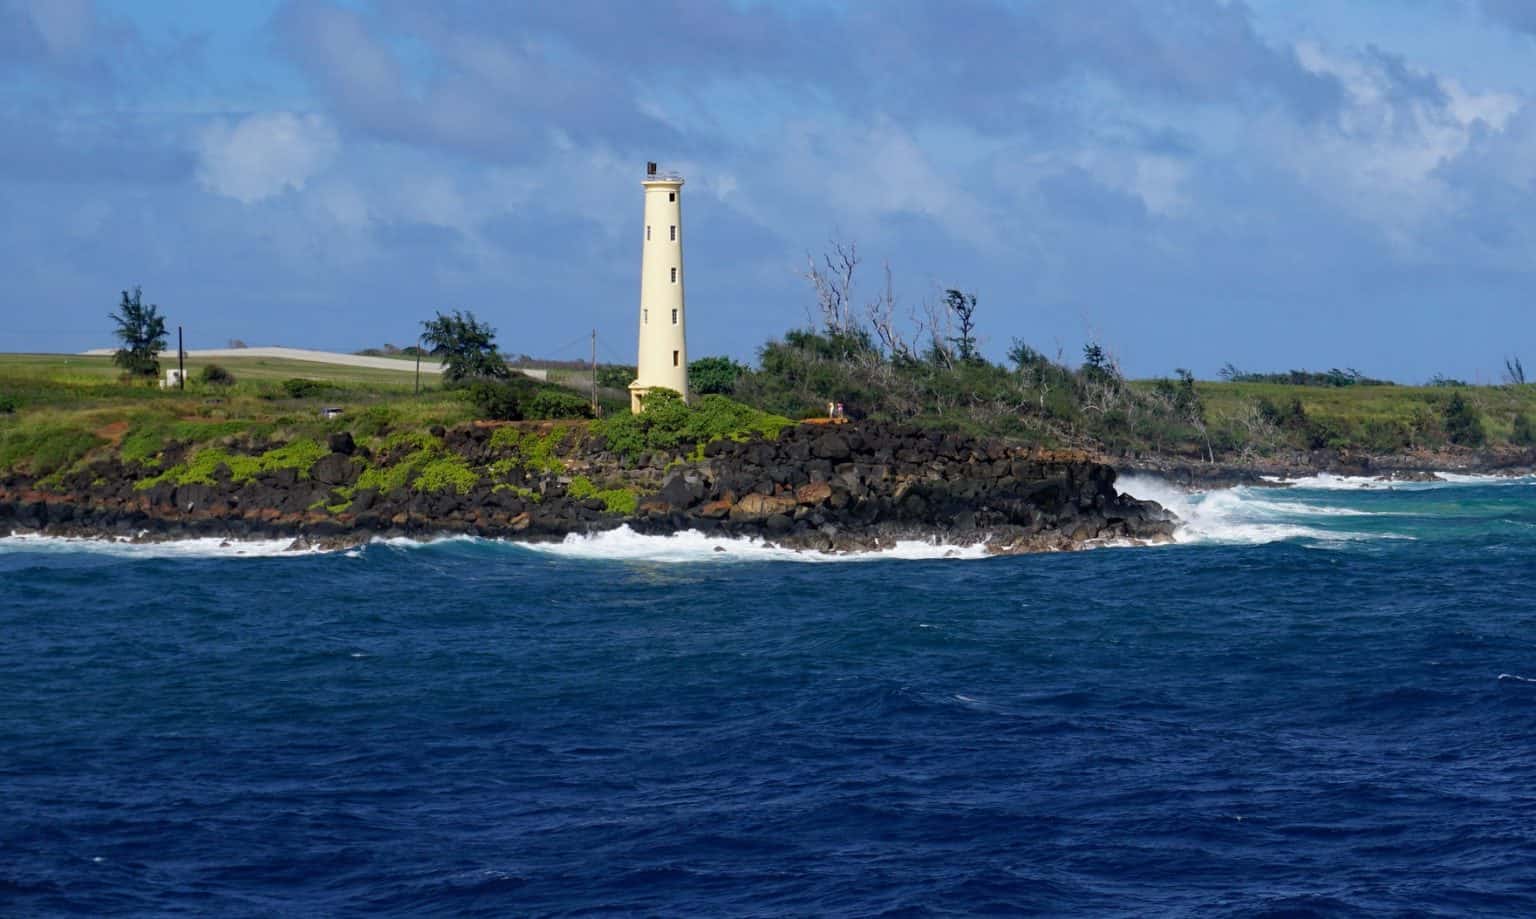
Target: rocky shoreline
{"points": [[1426, 465], [854, 487]]}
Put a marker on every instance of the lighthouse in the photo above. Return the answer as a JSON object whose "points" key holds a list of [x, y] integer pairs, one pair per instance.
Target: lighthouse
{"points": [[663, 356]]}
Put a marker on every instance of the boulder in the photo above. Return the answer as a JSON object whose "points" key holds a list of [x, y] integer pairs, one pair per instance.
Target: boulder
{"points": [[755, 508], [832, 447], [714, 510], [334, 469], [681, 491], [342, 442], [814, 494]]}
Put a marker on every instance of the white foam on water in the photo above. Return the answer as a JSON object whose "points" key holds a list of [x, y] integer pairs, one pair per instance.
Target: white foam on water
{"points": [[211, 547], [1516, 677], [1243, 515], [624, 544], [1329, 482]]}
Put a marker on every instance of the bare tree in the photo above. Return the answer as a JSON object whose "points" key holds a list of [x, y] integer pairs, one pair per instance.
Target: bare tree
{"points": [[832, 280], [881, 316]]}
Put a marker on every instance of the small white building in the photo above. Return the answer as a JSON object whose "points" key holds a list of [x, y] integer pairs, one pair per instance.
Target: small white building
{"points": [[663, 353], [172, 379]]}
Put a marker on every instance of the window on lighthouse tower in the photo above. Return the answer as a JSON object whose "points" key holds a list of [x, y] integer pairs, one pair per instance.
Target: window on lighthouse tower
{"points": [[674, 275], [674, 232]]}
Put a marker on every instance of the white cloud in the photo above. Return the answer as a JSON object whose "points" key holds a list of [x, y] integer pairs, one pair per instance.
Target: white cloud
{"points": [[265, 154], [1382, 158]]}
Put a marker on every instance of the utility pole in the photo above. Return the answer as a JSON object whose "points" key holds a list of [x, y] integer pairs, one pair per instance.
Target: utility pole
{"points": [[594, 373], [418, 365], [181, 362]]}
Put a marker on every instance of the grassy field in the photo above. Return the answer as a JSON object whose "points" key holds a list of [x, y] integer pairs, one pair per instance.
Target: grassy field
{"points": [[63, 406], [1385, 410], [91, 367]]}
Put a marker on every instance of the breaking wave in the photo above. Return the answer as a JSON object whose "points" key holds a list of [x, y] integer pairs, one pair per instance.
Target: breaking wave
{"points": [[176, 548], [1253, 516], [624, 544]]}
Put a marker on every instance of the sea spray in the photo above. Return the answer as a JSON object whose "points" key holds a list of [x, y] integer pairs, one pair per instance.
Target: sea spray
{"points": [[1245, 515], [624, 544]]}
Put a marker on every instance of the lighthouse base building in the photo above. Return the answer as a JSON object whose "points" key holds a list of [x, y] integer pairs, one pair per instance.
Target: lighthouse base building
{"points": [[662, 361]]}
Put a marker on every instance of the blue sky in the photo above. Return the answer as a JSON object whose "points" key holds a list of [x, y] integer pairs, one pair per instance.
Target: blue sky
{"points": [[1278, 183]]}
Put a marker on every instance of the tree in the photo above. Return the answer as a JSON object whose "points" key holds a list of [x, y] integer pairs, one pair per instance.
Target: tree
{"points": [[467, 347], [1098, 366], [142, 331], [1462, 424], [963, 306], [715, 375]]}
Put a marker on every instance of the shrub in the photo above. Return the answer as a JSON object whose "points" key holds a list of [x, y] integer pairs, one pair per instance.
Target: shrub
{"points": [[555, 403], [668, 423], [615, 500], [615, 376], [713, 375], [298, 388], [374, 421], [1525, 432], [214, 375], [496, 401], [1463, 426], [445, 472], [44, 449], [8, 403]]}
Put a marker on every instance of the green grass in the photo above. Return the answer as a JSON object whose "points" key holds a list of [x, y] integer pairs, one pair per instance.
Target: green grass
{"points": [[42, 449], [1358, 414]]}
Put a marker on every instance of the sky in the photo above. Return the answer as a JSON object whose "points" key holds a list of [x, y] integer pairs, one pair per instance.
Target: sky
{"points": [[1274, 183]]}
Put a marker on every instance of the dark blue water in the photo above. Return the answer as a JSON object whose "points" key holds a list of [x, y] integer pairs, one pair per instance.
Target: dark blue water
{"points": [[1338, 722]]}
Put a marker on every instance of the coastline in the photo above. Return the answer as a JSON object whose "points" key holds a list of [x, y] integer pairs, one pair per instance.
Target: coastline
{"points": [[856, 488]]}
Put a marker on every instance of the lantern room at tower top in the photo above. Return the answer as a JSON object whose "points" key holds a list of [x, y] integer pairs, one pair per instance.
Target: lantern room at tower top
{"points": [[662, 360]]}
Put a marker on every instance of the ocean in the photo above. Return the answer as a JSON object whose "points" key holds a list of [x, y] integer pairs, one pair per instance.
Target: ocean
{"points": [[1321, 701]]}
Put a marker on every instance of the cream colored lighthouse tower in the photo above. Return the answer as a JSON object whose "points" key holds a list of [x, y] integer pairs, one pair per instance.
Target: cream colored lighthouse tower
{"points": [[663, 358]]}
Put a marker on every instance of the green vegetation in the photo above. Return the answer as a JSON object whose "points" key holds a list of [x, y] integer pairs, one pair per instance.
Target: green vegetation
{"points": [[466, 346], [1334, 377], [43, 448], [448, 471], [618, 500], [1523, 432], [530, 450], [1463, 426], [618, 376], [558, 403], [712, 376], [215, 375], [202, 468], [300, 388], [142, 331], [668, 423]]}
